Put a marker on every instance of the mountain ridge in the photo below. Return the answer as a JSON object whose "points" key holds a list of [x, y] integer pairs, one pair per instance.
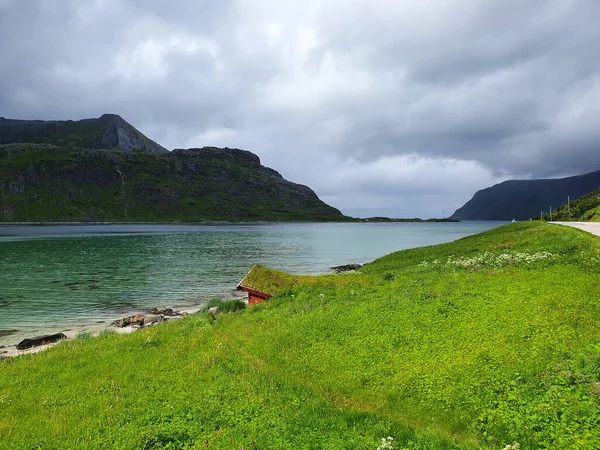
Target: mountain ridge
{"points": [[106, 131], [525, 199]]}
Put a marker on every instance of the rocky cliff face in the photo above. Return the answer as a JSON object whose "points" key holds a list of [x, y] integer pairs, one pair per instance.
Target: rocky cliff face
{"points": [[524, 199], [121, 176]]}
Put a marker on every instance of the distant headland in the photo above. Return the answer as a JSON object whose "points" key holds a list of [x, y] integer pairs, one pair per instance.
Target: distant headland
{"points": [[104, 170]]}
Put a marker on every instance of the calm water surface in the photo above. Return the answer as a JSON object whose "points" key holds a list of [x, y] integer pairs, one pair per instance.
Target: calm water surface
{"points": [[53, 277]]}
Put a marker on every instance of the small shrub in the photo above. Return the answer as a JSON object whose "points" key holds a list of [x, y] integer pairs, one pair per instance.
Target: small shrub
{"points": [[224, 306], [232, 306], [83, 336], [213, 302]]}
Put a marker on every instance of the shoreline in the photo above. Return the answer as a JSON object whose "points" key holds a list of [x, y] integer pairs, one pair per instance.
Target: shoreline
{"points": [[10, 351], [90, 323], [243, 222]]}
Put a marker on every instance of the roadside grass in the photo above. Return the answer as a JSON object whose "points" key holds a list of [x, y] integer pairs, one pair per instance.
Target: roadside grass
{"points": [[503, 347]]}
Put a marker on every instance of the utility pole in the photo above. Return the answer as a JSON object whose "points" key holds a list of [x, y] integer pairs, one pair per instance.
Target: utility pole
{"points": [[569, 206], [551, 214], [541, 215]]}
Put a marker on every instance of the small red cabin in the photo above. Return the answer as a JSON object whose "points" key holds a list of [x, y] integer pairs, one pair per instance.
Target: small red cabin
{"points": [[254, 296]]}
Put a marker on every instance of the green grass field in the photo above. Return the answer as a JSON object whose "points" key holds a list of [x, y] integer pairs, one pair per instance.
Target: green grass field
{"points": [[488, 341]]}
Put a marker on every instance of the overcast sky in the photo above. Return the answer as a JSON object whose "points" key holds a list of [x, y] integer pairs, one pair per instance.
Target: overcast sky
{"points": [[397, 108]]}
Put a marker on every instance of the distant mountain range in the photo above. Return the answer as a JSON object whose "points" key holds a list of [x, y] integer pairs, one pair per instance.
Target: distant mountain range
{"points": [[104, 170], [525, 199]]}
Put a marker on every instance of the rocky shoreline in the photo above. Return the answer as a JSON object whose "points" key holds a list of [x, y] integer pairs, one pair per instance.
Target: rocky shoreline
{"points": [[124, 325]]}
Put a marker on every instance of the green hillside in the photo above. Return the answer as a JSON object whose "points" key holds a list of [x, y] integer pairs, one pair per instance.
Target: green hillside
{"points": [[42, 183], [586, 208], [482, 343]]}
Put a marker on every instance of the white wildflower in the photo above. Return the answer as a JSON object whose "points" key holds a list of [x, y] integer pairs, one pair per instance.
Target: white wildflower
{"points": [[386, 443], [514, 446], [488, 259]]}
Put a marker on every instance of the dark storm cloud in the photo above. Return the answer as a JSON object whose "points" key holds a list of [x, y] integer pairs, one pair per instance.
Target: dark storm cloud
{"points": [[370, 103], [483, 81]]}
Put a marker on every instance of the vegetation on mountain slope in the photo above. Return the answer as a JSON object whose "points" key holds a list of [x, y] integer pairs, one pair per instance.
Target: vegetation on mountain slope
{"points": [[488, 341], [58, 184], [586, 208], [107, 131]]}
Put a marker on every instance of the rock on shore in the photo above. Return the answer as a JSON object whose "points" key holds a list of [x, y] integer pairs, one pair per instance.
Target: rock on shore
{"points": [[155, 315], [40, 340], [346, 268]]}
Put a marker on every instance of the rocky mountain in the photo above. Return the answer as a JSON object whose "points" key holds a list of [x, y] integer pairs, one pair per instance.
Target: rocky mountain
{"points": [[524, 199], [104, 170], [108, 131]]}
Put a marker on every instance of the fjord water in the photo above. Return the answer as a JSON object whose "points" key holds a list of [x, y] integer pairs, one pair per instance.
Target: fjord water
{"points": [[58, 276]]}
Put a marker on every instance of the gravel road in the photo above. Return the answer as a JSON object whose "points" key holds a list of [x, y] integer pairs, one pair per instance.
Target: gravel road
{"points": [[590, 227]]}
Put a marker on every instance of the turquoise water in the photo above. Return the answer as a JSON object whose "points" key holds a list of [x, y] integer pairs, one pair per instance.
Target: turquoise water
{"points": [[54, 277]]}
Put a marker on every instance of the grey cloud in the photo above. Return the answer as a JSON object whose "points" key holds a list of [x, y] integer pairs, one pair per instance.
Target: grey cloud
{"points": [[510, 87], [487, 75]]}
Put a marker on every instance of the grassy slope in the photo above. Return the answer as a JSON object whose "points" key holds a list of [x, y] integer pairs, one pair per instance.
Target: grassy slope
{"points": [[476, 354], [56, 184], [586, 208]]}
